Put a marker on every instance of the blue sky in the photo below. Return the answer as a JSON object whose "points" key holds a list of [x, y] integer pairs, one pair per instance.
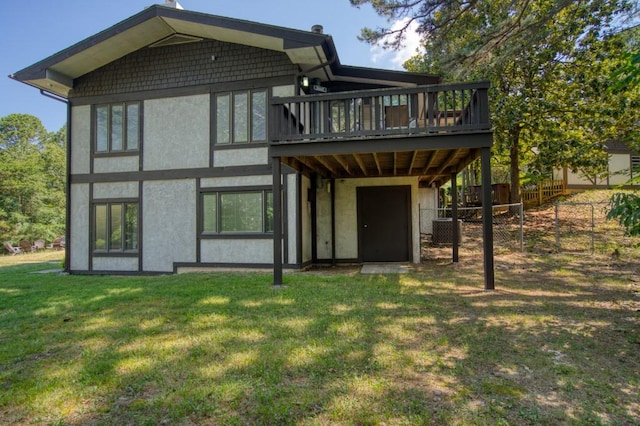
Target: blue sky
{"points": [[32, 30]]}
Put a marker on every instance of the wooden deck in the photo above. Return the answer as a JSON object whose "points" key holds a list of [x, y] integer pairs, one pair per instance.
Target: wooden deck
{"points": [[427, 131]]}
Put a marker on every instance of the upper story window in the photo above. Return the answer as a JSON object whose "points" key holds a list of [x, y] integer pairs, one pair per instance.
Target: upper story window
{"points": [[117, 127], [241, 116]]}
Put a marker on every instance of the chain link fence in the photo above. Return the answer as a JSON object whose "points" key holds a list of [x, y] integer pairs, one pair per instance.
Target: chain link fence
{"points": [[577, 227], [583, 227], [436, 228]]}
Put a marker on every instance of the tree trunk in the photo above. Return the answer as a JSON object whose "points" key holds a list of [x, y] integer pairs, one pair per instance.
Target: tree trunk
{"points": [[514, 156]]}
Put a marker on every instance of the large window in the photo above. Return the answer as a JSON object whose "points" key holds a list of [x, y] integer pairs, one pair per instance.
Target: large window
{"points": [[241, 117], [115, 227], [117, 127], [242, 212]]}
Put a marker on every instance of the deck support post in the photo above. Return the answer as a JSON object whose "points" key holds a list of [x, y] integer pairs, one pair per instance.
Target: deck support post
{"points": [[487, 220], [276, 170], [332, 186], [454, 218]]}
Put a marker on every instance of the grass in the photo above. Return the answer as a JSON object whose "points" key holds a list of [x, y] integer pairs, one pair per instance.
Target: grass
{"points": [[555, 344]]}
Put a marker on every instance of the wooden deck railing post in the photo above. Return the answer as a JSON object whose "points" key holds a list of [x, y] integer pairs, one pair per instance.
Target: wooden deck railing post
{"points": [[540, 193]]}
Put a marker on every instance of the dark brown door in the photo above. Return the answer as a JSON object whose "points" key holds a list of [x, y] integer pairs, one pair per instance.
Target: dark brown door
{"points": [[384, 233]]}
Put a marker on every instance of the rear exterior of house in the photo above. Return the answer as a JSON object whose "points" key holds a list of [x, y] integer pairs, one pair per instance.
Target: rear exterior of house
{"points": [[194, 139]]}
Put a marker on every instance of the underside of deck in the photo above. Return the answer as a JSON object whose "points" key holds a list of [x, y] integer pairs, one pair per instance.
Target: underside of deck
{"points": [[431, 132]]}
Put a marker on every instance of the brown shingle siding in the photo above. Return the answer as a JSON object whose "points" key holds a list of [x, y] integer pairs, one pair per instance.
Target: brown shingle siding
{"points": [[183, 65]]}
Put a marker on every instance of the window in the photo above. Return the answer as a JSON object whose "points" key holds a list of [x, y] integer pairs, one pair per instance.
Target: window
{"points": [[117, 127], [635, 166], [242, 212], [115, 227], [241, 117]]}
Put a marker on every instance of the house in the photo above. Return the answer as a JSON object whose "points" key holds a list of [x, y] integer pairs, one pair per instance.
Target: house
{"points": [[194, 139], [622, 167]]}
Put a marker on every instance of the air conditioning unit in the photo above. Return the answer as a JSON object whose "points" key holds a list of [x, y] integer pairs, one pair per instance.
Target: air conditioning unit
{"points": [[442, 231]]}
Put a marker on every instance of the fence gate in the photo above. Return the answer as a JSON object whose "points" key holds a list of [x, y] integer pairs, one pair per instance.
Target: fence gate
{"points": [[578, 226]]}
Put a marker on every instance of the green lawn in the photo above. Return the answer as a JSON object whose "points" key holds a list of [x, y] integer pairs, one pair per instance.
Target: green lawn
{"points": [[557, 343]]}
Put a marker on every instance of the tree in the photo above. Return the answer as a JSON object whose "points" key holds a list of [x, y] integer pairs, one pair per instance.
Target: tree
{"points": [[32, 176], [543, 112], [625, 207]]}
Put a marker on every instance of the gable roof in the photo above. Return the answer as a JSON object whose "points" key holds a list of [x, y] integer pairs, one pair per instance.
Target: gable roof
{"points": [[313, 52]]}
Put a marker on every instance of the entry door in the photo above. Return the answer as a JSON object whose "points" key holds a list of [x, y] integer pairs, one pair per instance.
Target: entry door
{"points": [[384, 233]]}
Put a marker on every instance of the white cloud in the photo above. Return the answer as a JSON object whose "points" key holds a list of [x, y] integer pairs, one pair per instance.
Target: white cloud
{"points": [[395, 58]]}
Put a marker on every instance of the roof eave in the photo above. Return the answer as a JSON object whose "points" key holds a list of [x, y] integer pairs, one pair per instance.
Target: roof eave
{"points": [[52, 73], [309, 50]]}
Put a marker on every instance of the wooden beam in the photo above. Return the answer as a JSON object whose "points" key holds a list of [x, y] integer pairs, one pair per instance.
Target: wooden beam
{"points": [[470, 158], [446, 164], [296, 164], [326, 164], [375, 158], [429, 162], [413, 161], [343, 163], [395, 163], [319, 170], [401, 143], [360, 164]]}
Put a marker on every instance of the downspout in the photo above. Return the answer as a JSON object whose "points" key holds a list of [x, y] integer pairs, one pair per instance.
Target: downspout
{"points": [[332, 185]]}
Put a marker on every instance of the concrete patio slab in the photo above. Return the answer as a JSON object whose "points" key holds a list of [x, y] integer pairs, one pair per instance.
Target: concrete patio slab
{"points": [[385, 268]]}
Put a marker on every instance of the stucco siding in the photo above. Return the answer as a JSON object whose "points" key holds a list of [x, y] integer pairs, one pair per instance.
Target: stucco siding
{"points": [[579, 179], [237, 251], [176, 133], [169, 224], [116, 164], [283, 91], [619, 169], [80, 139], [115, 264], [240, 157], [79, 232], [115, 190], [219, 182], [347, 216], [323, 219]]}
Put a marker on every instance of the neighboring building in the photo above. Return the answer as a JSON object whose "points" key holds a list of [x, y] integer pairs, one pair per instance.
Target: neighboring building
{"points": [[194, 138], [624, 165]]}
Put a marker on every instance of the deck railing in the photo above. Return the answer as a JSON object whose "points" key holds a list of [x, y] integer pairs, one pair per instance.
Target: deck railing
{"points": [[543, 191], [392, 112]]}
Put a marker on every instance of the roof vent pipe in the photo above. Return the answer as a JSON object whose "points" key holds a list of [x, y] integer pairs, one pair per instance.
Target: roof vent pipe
{"points": [[173, 3], [317, 29]]}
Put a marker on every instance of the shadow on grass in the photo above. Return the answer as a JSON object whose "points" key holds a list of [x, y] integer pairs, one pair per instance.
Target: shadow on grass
{"points": [[555, 345]]}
